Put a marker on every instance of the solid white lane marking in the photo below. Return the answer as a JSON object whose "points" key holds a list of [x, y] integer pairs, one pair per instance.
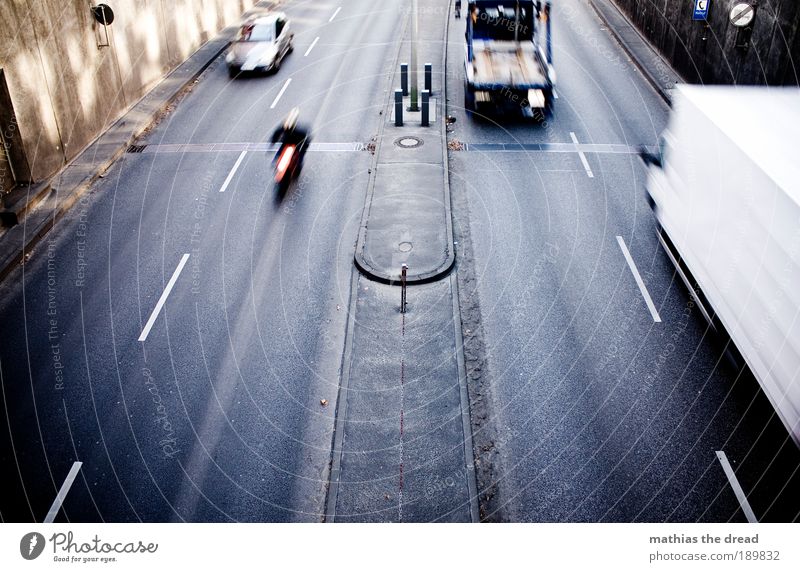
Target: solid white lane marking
{"points": [[737, 489], [233, 172], [62, 492], [311, 47], [280, 93], [163, 299], [582, 156], [639, 281], [334, 14]]}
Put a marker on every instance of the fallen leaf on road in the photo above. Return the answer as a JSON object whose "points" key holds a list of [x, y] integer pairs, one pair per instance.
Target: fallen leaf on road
{"points": [[455, 145]]}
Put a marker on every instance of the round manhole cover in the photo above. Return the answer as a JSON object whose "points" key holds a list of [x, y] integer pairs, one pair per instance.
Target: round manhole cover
{"points": [[408, 142], [405, 246]]}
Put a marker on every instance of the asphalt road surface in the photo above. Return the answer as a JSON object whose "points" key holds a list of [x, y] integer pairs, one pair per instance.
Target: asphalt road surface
{"points": [[606, 407], [217, 415], [180, 333]]}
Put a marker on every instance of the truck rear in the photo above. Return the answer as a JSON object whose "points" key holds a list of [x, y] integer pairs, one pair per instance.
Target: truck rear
{"points": [[508, 65], [725, 188]]}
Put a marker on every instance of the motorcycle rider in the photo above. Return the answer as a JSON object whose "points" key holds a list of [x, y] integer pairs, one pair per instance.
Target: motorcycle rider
{"points": [[291, 133]]}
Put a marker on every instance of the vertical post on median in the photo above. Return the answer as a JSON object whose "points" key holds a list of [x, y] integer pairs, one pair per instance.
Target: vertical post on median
{"points": [[413, 75], [404, 78], [403, 272], [429, 77], [426, 112], [398, 107]]}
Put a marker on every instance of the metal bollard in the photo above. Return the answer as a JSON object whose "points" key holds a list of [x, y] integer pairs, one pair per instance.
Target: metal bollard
{"points": [[429, 77], [403, 271], [404, 78], [426, 108], [398, 107]]}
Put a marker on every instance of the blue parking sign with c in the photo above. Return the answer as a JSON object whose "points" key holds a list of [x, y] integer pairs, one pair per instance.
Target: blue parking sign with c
{"points": [[701, 9]]}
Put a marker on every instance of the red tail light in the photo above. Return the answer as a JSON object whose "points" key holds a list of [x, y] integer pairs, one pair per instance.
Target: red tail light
{"points": [[284, 161]]}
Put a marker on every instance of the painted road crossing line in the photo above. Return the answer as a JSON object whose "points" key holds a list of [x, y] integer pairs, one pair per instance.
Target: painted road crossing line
{"points": [[280, 93], [582, 156], [335, 13], [737, 488], [311, 47], [229, 178], [315, 146], [639, 281], [163, 299], [62, 492], [599, 148]]}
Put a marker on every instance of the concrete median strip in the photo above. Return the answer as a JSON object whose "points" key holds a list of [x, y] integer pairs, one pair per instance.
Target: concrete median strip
{"points": [[402, 448], [407, 219]]}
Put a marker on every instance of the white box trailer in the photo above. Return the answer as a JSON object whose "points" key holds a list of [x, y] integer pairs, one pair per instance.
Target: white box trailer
{"points": [[725, 188]]}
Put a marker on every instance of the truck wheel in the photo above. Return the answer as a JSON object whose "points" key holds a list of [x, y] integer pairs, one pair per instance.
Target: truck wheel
{"points": [[548, 104], [469, 101]]}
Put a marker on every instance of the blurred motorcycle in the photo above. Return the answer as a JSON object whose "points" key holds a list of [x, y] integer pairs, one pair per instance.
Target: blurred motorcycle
{"points": [[286, 167], [294, 140]]}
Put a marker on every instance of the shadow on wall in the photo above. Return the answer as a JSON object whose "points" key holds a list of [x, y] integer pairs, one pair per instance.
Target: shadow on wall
{"points": [[716, 51], [65, 87]]}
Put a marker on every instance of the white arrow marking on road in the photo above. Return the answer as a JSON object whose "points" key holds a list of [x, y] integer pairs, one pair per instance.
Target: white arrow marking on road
{"points": [[311, 47], [737, 489], [233, 172], [62, 492], [163, 299], [639, 281], [334, 14], [582, 156], [280, 93]]}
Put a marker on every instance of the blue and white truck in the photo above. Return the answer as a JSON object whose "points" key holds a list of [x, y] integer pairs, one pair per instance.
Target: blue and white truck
{"points": [[508, 61]]}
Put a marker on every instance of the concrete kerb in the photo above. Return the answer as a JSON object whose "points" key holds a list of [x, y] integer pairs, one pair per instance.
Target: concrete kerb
{"points": [[361, 263], [466, 419], [645, 69], [31, 237], [34, 193]]}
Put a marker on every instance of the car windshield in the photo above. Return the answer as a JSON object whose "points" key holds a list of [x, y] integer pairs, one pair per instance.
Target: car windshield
{"points": [[256, 33]]}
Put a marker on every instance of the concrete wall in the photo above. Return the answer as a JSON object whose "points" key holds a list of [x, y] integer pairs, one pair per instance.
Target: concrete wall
{"points": [[706, 52], [65, 90]]}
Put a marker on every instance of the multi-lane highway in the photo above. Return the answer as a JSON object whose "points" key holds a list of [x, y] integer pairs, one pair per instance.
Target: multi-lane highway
{"points": [[212, 412], [173, 350], [611, 398]]}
